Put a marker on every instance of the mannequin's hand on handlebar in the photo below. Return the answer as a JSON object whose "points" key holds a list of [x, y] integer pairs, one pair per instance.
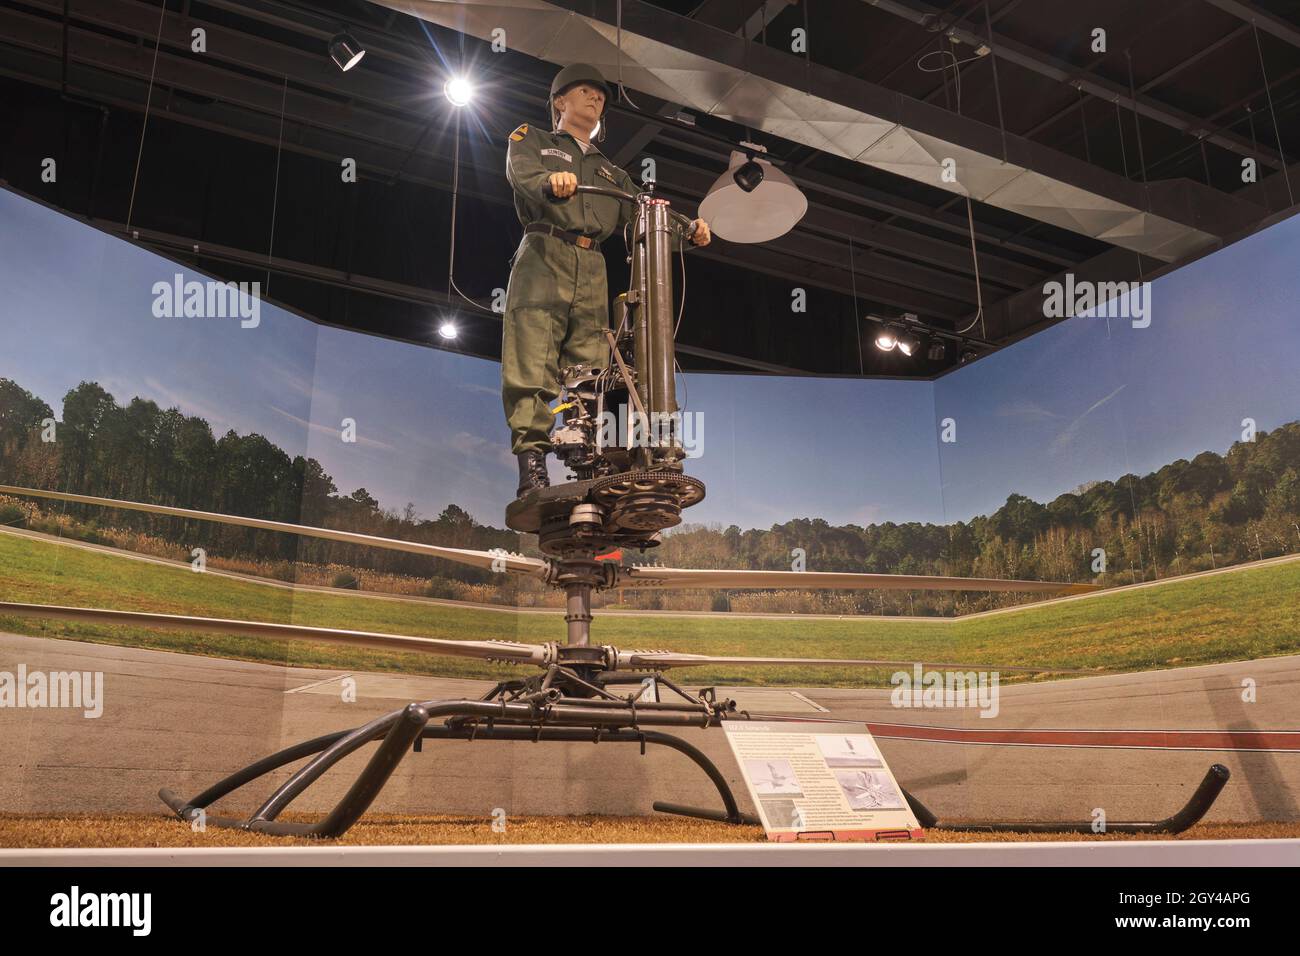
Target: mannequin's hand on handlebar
{"points": [[700, 234], [562, 185]]}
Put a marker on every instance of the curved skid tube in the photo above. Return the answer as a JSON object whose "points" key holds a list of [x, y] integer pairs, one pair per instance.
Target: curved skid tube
{"points": [[402, 729], [730, 813], [1197, 806]]}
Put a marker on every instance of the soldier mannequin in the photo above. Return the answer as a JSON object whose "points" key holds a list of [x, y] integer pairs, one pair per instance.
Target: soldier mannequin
{"points": [[557, 301]]}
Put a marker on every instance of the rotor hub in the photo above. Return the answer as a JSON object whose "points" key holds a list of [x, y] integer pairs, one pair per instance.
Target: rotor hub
{"points": [[642, 501]]}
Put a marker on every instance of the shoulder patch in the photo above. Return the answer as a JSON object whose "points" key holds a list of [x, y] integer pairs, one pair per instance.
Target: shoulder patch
{"points": [[519, 133]]}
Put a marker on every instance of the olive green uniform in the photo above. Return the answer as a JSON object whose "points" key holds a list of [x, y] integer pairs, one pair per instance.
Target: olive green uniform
{"points": [[557, 302]]}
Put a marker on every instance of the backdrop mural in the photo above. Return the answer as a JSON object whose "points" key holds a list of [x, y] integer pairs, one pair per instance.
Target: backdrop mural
{"points": [[1172, 446]]}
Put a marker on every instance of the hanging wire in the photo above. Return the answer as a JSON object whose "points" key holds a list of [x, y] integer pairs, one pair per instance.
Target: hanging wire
{"points": [[943, 66], [1123, 152], [1083, 121], [979, 295], [144, 125], [1277, 130], [618, 43], [681, 307], [275, 196], [997, 86], [1254, 148], [451, 252], [857, 322], [1137, 127]]}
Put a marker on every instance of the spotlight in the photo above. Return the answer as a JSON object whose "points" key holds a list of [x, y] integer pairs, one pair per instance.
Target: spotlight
{"points": [[448, 330], [968, 355], [937, 351], [458, 91], [908, 343], [748, 176], [886, 340], [345, 51]]}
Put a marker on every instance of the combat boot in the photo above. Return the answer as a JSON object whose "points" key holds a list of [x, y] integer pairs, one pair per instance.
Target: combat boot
{"points": [[532, 472]]}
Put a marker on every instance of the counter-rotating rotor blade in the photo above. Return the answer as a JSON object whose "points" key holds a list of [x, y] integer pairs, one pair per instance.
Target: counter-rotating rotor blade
{"points": [[661, 660], [496, 561], [506, 651], [648, 576]]}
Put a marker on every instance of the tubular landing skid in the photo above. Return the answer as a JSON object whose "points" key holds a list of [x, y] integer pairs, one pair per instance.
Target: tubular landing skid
{"points": [[536, 710], [518, 710]]}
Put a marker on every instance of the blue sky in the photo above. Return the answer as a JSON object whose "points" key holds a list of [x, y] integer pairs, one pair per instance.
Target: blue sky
{"points": [[1087, 399], [1094, 398]]}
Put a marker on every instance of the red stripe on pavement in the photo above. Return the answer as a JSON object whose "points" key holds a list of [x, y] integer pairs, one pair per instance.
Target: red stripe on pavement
{"points": [[1281, 741]]}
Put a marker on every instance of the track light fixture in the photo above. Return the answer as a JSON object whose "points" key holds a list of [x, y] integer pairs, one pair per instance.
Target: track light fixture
{"points": [[910, 336], [748, 175], [345, 51]]}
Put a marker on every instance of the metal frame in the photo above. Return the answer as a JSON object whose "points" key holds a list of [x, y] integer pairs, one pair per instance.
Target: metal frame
{"points": [[1197, 806], [534, 709]]}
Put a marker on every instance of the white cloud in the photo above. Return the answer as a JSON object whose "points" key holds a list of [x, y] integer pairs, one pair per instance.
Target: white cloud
{"points": [[1067, 435], [1025, 411], [332, 431]]}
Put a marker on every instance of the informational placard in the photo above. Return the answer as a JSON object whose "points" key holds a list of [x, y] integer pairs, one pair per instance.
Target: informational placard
{"points": [[820, 781]]}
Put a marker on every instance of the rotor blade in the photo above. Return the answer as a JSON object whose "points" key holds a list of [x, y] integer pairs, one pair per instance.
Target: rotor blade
{"points": [[655, 577], [507, 651], [517, 563], [665, 659]]}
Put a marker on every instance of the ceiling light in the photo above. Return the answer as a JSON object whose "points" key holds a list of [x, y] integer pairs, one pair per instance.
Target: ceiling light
{"points": [[458, 91], [752, 201], [345, 51]]}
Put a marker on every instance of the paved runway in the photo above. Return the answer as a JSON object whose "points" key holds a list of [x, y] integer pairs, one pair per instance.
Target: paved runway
{"points": [[184, 721]]}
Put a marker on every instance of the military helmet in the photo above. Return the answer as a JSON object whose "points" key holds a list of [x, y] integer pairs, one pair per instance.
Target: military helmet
{"points": [[580, 73]]}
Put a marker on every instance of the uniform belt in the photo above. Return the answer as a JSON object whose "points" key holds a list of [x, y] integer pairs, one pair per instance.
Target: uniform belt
{"points": [[577, 238]]}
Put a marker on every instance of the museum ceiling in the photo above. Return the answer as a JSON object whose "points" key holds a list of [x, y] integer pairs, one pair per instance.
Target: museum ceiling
{"points": [[1114, 156]]}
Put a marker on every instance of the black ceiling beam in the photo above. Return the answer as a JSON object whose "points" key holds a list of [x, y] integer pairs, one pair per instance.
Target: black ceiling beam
{"points": [[1025, 56], [746, 17], [1160, 80], [1250, 13], [316, 71], [534, 92], [887, 286], [812, 262]]}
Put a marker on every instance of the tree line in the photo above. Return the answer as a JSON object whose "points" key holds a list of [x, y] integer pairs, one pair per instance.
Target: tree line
{"points": [[141, 452], [1212, 511]]}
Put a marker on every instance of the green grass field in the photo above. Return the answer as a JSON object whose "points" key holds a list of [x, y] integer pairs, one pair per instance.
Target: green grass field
{"points": [[1238, 616]]}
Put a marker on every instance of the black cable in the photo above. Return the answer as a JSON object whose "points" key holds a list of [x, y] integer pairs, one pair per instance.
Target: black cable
{"points": [[1277, 131]]}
